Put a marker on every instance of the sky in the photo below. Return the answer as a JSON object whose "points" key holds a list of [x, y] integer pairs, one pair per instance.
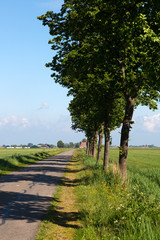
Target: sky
{"points": [[32, 107]]}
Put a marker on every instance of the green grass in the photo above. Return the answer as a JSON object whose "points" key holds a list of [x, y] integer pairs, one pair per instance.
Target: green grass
{"points": [[111, 211], [13, 159], [9, 152], [139, 157]]}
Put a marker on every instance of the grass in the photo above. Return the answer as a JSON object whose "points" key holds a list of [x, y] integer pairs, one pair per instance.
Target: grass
{"points": [[139, 157], [13, 159], [110, 211], [107, 210]]}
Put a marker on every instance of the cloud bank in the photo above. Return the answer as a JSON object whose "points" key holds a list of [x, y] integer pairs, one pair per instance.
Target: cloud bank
{"points": [[152, 123], [21, 130], [14, 121]]}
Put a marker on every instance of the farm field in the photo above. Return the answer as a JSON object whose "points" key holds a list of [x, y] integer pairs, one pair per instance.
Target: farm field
{"points": [[139, 157], [113, 211], [12, 159]]}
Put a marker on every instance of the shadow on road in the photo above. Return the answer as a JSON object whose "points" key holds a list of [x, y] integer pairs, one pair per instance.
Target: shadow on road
{"points": [[19, 206], [57, 216], [25, 205]]}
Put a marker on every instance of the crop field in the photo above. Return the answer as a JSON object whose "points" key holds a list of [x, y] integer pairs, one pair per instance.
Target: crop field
{"points": [[112, 211], [10, 152], [139, 157], [12, 159]]}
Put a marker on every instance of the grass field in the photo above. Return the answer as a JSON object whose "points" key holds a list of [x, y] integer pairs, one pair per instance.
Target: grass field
{"points": [[139, 157], [12, 159], [112, 211]]}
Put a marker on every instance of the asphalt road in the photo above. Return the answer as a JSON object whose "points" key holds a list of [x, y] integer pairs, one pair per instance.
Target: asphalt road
{"points": [[25, 196]]}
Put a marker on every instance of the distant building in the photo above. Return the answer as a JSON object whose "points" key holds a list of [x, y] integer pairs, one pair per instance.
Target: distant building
{"points": [[83, 145]]}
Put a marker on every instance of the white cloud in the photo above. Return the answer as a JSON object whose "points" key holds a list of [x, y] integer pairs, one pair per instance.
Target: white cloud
{"points": [[44, 105], [18, 130], [14, 121], [152, 123]]}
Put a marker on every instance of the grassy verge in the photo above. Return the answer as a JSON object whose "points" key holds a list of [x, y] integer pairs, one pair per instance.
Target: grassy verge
{"points": [[11, 160], [62, 219], [110, 211]]}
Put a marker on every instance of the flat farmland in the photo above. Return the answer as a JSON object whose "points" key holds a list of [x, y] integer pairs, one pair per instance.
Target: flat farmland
{"points": [[139, 157], [12, 159], [20, 151], [143, 169], [112, 211]]}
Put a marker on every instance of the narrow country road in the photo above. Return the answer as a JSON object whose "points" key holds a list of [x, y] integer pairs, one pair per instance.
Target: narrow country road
{"points": [[25, 196]]}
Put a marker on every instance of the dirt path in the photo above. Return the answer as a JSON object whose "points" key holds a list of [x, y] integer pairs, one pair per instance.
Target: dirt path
{"points": [[25, 196]]}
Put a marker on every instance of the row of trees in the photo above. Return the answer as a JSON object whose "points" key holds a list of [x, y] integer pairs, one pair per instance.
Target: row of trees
{"points": [[107, 54], [61, 144]]}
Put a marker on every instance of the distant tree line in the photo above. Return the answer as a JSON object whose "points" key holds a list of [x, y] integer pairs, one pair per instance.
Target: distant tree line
{"points": [[108, 57], [61, 144], [30, 145]]}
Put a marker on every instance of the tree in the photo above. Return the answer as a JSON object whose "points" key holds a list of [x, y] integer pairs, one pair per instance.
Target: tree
{"points": [[129, 33], [84, 118], [77, 145], [60, 144], [78, 66], [30, 144], [71, 145], [112, 49], [100, 139]]}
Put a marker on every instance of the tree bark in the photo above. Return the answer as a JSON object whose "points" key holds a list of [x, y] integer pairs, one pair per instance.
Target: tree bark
{"points": [[87, 150], [125, 136], [95, 144], [100, 145], [90, 147], [106, 149]]}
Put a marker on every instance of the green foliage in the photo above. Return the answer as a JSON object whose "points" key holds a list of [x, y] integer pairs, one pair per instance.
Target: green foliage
{"points": [[60, 144], [108, 56]]}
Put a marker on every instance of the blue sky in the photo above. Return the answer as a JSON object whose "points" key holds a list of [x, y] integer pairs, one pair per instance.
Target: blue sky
{"points": [[32, 107]]}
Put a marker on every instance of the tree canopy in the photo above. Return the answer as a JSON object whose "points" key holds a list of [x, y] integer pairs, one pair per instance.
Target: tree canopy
{"points": [[108, 56]]}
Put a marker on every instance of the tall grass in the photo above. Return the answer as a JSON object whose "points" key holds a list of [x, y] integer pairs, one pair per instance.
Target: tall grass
{"points": [[111, 211]]}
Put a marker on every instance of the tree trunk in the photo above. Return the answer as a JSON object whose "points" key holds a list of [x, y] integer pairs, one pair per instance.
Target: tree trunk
{"points": [[90, 147], [100, 145], [106, 149], [87, 150], [125, 136], [95, 144]]}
